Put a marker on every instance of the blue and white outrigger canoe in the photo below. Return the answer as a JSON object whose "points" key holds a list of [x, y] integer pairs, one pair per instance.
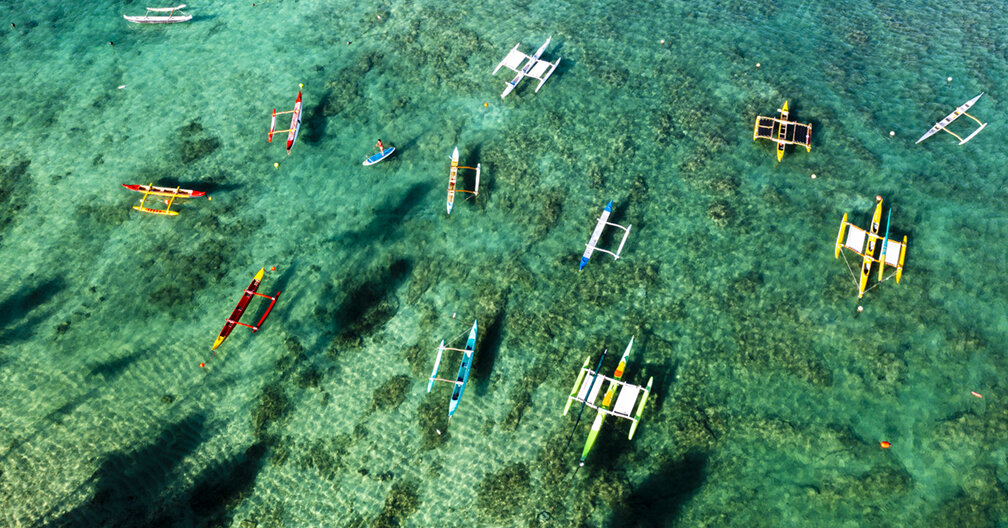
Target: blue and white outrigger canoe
{"points": [[599, 227], [378, 156], [463, 372]]}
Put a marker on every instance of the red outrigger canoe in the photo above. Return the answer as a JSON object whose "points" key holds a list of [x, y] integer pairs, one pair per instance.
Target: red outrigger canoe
{"points": [[165, 191], [240, 309], [295, 126]]}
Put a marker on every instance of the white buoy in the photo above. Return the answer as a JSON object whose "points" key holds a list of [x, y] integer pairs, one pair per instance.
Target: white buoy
{"points": [[949, 79], [892, 133], [813, 176], [662, 41], [757, 65]]}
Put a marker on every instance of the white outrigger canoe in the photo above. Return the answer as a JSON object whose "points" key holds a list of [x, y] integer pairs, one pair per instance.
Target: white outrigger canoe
{"points": [[535, 68], [453, 179], [170, 18], [960, 111], [591, 246]]}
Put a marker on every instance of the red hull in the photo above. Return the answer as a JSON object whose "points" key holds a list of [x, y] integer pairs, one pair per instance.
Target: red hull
{"points": [[165, 191], [240, 309]]}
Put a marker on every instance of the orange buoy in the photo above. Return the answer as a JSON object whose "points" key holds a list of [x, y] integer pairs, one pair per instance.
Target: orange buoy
{"points": [[272, 268], [977, 394], [486, 105], [884, 444], [201, 365]]}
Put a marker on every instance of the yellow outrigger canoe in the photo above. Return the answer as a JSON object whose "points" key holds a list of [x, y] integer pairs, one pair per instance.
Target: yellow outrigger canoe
{"points": [[864, 242]]}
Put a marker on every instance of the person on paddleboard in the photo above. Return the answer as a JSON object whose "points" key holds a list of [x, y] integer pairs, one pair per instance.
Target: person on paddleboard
{"points": [[379, 146]]}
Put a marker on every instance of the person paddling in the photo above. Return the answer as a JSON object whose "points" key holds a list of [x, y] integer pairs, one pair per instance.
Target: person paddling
{"points": [[379, 146]]}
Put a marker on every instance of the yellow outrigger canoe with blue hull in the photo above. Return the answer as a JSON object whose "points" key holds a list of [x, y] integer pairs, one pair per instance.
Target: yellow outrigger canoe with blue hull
{"points": [[620, 407], [863, 243]]}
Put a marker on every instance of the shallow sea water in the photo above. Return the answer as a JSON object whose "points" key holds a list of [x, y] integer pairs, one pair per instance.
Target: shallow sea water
{"points": [[770, 397]]}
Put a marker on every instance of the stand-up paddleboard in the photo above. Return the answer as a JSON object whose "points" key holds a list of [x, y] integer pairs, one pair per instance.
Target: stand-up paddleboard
{"points": [[379, 156]]}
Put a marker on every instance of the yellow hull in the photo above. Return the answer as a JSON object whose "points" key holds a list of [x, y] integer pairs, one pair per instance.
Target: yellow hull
{"points": [[869, 253], [899, 269], [780, 132], [839, 237]]}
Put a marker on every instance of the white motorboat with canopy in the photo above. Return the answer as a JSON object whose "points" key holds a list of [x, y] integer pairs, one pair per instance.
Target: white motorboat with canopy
{"points": [[535, 68], [961, 111]]}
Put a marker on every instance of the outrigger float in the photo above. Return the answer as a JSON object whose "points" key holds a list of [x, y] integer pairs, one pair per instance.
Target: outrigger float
{"points": [[591, 247], [171, 194], [535, 68], [170, 18], [961, 111], [453, 176], [295, 126], [783, 131], [863, 243], [463, 373], [622, 407], [236, 314]]}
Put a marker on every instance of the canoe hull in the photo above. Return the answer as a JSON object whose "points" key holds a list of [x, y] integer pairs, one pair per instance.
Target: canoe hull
{"points": [[463, 374]]}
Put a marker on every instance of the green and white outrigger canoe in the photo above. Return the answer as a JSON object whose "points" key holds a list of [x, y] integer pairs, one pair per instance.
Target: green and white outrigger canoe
{"points": [[623, 407]]}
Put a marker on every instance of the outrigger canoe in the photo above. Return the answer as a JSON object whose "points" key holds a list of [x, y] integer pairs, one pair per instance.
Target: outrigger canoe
{"points": [[171, 18], [463, 373], [620, 407], [172, 194], [236, 314], [379, 156], [591, 246], [453, 179], [295, 126], [783, 131], [960, 111], [863, 243]]}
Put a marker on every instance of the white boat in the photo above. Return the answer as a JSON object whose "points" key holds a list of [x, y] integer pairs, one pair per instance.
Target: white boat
{"points": [[171, 18], [453, 179], [535, 68], [961, 111], [600, 226]]}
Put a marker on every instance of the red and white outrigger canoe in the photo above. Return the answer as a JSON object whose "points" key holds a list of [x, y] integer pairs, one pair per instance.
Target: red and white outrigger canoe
{"points": [[295, 126], [171, 193], [236, 314]]}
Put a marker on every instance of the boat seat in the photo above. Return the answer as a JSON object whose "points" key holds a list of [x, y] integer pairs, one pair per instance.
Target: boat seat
{"points": [[626, 400], [514, 60], [540, 68], [583, 392], [892, 252], [856, 239]]}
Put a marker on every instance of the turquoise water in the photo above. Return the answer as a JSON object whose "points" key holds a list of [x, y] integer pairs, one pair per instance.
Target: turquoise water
{"points": [[770, 397]]}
